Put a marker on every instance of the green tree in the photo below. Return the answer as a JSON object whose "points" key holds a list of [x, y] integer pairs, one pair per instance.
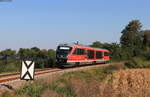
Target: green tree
{"points": [[24, 53], [51, 57], [36, 49], [146, 39], [7, 53], [8, 62], [131, 34], [97, 44]]}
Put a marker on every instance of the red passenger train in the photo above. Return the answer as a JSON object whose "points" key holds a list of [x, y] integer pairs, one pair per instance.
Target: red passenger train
{"points": [[68, 55]]}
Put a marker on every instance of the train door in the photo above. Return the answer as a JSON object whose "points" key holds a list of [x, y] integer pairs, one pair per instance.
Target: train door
{"points": [[90, 54]]}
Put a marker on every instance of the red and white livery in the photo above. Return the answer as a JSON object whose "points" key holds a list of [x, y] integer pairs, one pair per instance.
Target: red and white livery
{"points": [[68, 55]]}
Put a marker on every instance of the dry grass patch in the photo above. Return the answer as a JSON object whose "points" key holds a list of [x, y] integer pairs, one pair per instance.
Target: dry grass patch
{"points": [[50, 93], [132, 83]]}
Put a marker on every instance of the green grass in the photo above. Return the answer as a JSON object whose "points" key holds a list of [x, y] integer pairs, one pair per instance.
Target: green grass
{"points": [[6, 94], [33, 89], [65, 85], [63, 90], [99, 73]]}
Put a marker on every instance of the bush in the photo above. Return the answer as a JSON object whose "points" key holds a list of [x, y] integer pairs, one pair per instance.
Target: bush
{"points": [[109, 69], [9, 67], [137, 63], [146, 55]]}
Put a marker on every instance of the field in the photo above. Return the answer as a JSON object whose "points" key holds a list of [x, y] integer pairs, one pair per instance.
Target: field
{"points": [[110, 81]]}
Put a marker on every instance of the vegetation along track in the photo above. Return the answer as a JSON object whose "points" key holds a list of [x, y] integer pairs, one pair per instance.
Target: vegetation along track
{"points": [[16, 76]]}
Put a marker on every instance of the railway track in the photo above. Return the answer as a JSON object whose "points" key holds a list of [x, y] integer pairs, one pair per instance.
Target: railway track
{"points": [[16, 76]]}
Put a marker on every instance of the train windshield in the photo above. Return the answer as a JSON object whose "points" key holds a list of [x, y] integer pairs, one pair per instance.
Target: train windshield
{"points": [[61, 50]]}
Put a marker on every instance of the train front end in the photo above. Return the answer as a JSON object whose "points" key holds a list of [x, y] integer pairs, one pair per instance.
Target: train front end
{"points": [[62, 54]]}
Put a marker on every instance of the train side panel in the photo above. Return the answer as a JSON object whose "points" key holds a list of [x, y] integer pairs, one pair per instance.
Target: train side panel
{"points": [[84, 58]]}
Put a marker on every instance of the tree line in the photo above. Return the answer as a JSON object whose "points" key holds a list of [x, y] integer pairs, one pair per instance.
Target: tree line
{"points": [[10, 60], [134, 46]]}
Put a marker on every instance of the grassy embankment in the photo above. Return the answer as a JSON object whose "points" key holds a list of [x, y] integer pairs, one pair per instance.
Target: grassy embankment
{"points": [[110, 81]]}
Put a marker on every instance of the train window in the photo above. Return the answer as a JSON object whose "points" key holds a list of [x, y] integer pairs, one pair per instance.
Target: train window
{"points": [[106, 54], [78, 51], [90, 54], [63, 50], [81, 52], [99, 54], [75, 52]]}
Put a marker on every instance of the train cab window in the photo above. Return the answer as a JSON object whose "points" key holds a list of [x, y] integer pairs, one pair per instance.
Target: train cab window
{"points": [[106, 54], [99, 55], [90, 54], [62, 50], [78, 51]]}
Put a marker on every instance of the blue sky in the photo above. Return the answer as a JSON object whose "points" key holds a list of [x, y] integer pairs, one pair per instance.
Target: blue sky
{"points": [[46, 23]]}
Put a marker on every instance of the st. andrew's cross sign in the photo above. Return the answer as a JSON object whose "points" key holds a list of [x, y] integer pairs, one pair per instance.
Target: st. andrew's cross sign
{"points": [[27, 72]]}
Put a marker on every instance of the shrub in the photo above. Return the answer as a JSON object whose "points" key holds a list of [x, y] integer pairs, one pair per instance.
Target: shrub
{"points": [[137, 63], [109, 69], [9, 67]]}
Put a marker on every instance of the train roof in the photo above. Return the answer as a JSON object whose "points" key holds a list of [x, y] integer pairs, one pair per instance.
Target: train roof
{"points": [[92, 47], [70, 45]]}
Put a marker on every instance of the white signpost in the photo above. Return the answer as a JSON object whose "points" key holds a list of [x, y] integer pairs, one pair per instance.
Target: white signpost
{"points": [[27, 72]]}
